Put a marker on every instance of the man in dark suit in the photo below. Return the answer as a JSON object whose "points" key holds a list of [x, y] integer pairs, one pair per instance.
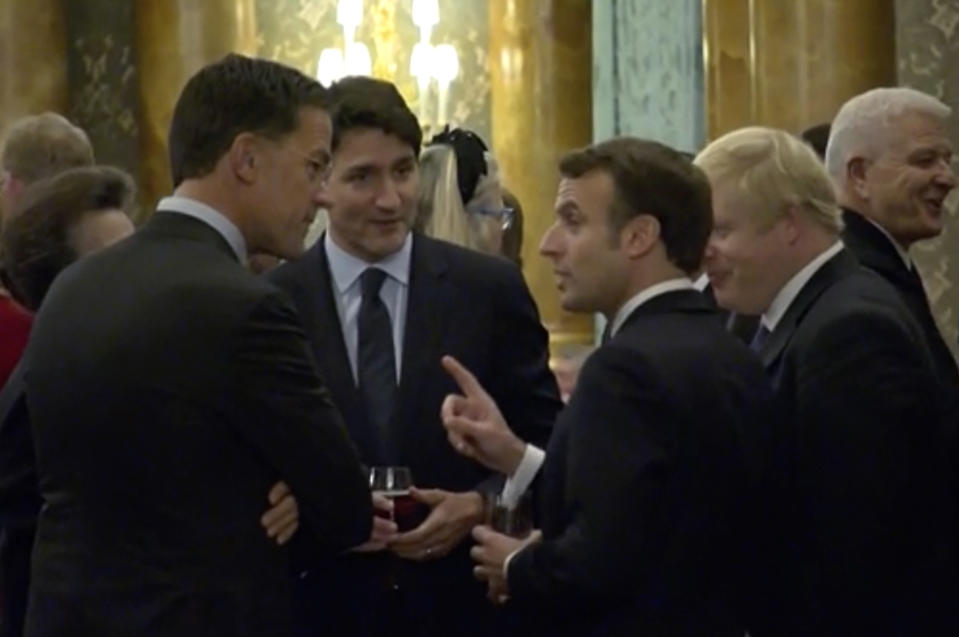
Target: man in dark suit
{"points": [[889, 156], [872, 526], [434, 299], [649, 482], [380, 351], [164, 411]]}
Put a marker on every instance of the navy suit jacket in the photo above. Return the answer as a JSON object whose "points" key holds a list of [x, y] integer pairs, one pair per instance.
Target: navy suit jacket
{"points": [[873, 519], [651, 483], [463, 303]]}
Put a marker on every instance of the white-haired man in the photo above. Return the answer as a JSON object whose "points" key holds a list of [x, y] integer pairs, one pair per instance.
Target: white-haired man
{"points": [[867, 540], [889, 157]]}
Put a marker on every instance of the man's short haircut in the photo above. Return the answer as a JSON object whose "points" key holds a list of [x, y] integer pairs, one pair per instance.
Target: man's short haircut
{"points": [[238, 94], [775, 169], [39, 146], [35, 241], [652, 179], [865, 126], [366, 102]]}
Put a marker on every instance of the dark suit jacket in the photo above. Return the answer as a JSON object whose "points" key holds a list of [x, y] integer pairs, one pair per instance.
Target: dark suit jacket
{"points": [[169, 390], [873, 518], [19, 503], [649, 481], [474, 307], [874, 250]]}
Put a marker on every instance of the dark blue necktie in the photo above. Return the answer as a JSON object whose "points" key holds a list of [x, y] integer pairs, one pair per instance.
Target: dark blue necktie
{"points": [[375, 359], [759, 338]]}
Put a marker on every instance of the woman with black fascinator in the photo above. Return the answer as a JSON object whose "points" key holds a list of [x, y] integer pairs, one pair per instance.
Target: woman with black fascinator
{"points": [[460, 196]]}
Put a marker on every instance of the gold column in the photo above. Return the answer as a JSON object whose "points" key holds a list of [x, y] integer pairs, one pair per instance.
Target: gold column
{"points": [[175, 38], [540, 59], [33, 61], [793, 64]]}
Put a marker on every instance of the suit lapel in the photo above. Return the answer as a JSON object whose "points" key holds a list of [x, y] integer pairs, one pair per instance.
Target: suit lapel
{"points": [[427, 314], [836, 268], [324, 323]]}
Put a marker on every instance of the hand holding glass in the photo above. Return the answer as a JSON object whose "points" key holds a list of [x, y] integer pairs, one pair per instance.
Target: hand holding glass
{"points": [[394, 483]]}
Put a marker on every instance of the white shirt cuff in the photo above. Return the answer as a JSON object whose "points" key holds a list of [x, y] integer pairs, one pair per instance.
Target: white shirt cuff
{"points": [[517, 484]]}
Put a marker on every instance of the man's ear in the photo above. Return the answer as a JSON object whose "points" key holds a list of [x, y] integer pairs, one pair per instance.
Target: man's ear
{"points": [[245, 157], [639, 235], [791, 223], [856, 169]]}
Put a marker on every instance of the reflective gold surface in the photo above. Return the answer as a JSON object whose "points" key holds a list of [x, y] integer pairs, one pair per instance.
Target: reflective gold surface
{"points": [[33, 65], [175, 39], [792, 64], [540, 60]]}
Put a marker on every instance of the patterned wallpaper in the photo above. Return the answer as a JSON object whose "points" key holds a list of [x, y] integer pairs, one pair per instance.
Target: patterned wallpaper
{"points": [[927, 43], [296, 31], [648, 71], [102, 79]]}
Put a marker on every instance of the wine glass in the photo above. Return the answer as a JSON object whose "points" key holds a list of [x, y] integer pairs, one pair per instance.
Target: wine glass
{"points": [[394, 483]]}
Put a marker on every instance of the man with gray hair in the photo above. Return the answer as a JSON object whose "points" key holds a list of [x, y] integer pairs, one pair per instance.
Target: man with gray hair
{"points": [[889, 157]]}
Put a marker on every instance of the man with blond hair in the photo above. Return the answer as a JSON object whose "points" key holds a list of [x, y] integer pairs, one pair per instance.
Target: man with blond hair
{"points": [[868, 549], [889, 156]]}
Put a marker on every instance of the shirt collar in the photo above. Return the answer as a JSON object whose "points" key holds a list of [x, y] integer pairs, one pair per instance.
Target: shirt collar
{"points": [[210, 216], [346, 268], [902, 252], [788, 293], [645, 295], [701, 282]]}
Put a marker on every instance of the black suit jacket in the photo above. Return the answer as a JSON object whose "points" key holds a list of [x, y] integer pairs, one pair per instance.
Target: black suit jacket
{"points": [[873, 524], [169, 389], [649, 483], [19, 503], [876, 252], [463, 303]]}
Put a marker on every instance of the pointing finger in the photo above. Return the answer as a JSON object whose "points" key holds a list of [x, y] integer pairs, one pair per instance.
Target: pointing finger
{"points": [[463, 377]]}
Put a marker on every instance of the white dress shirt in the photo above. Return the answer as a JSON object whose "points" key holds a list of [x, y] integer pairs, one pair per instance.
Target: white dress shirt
{"points": [[701, 282], [788, 293], [211, 217], [346, 270]]}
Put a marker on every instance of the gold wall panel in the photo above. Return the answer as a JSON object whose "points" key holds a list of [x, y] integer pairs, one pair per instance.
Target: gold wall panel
{"points": [[175, 39], [33, 64], [793, 64], [541, 56]]}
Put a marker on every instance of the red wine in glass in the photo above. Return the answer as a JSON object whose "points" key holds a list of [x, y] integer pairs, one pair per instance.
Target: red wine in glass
{"points": [[394, 483]]}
